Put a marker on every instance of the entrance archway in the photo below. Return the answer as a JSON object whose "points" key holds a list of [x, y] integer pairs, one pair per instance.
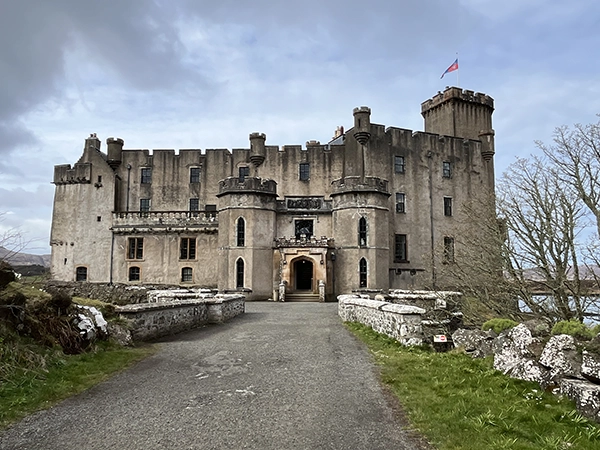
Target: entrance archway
{"points": [[303, 278]]}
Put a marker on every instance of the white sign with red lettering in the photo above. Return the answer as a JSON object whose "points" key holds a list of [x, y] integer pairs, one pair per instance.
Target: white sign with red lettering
{"points": [[440, 338]]}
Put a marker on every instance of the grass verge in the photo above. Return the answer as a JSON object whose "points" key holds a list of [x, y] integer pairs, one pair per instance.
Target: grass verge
{"points": [[25, 391], [458, 402]]}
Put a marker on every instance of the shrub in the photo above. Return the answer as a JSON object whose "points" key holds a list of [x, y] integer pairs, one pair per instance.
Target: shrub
{"points": [[574, 328], [499, 325]]}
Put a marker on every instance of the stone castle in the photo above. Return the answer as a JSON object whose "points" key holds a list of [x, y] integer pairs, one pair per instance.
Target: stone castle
{"points": [[375, 208]]}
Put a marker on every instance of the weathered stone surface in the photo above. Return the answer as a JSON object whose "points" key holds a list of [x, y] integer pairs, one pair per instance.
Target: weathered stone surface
{"points": [[586, 396], [538, 327], [476, 343], [401, 322], [153, 320], [511, 348], [590, 367], [529, 370], [119, 334], [561, 357], [90, 322]]}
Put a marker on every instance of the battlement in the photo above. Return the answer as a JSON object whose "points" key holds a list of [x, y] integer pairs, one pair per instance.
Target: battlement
{"points": [[81, 173], [360, 184], [455, 93], [248, 185]]}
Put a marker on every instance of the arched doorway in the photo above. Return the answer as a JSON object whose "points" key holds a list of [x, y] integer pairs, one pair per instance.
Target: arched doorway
{"points": [[303, 275]]}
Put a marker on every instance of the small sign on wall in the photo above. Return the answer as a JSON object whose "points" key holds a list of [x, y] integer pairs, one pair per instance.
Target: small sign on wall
{"points": [[440, 338]]}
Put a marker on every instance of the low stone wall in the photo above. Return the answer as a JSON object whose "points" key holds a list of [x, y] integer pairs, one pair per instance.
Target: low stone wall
{"points": [[401, 322], [163, 318], [559, 363]]}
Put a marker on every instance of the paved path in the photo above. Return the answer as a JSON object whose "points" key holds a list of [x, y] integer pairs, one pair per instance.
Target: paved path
{"points": [[282, 376]]}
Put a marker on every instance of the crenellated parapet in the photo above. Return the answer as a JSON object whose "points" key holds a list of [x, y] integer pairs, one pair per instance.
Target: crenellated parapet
{"points": [[360, 184], [81, 173], [455, 93], [248, 185]]}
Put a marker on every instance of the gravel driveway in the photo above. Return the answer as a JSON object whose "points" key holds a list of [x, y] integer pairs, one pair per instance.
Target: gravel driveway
{"points": [[281, 376]]}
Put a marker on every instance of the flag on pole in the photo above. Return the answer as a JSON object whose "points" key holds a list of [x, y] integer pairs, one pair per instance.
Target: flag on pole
{"points": [[452, 68]]}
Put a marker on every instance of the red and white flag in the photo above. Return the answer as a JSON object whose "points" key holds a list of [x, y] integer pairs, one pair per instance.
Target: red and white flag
{"points": [[452, 68]]}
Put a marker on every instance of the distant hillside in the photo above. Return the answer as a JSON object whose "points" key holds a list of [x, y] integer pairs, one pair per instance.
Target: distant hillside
{"points": [[24, 259]]}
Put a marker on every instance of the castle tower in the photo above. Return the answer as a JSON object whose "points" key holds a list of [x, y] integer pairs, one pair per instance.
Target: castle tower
{"points": [[247, 226], [115, 150], [360, 218], [257, 150], [461, 113]]}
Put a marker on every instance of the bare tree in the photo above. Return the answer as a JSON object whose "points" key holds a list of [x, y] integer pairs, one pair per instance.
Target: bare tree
{"points": [[11, 241], [544, 218], [576, 156]]}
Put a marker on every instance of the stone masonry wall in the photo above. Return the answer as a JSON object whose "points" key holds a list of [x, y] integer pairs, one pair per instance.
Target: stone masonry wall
{"points": [[401, 322], [154, 320]]}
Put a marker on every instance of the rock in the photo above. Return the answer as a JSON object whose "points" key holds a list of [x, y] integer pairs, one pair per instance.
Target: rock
{"points": [[476, 343], [7, 274], [586, 396], [120, 334], [561, 357], [530, 370], [538, 327], [511, 349], [590, 367], [90, 322]]}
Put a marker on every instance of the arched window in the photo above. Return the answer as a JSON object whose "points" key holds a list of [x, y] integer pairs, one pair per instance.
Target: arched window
{"points": [[241, 232], [81, 274], [362, 232], [186, 274], [362, 272], [239, 273], [134, 273]]}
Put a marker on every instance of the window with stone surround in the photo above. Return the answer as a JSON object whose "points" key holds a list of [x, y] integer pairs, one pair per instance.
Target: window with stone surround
{"points": [[399, 166], [187, 275], [144, 204], [447, 169], [239, 273], [134, 273], [135, 248], [447, 206], [195, 175], [240, 237], [362, 273], [146, 175], [400, 202], [448, 249], [243, 172], [362, 232], [81, 274], [187, 248], [400, 248], [304, 171]]}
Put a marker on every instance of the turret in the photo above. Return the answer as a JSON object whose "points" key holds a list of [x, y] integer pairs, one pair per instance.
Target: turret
{"points": [[461, 113], [92, 143], [257, 148], [115, 149], [362, 124]]}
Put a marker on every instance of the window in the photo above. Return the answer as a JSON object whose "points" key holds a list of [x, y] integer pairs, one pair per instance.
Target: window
{"points": [[186, 274], [98, 218], [194, 174], [447, 169], [144, 204], [400, 253], [362, 273], [239, 273], [448, 249], [400, 202], [447, 206], [304, 228], [243, 173], [211, 210], [399, 166], [134, 273], [81, 274], [304, 171], [194, 204], [241, 232], [362, 232], [135, 248], [187, 248], [146, 177]]}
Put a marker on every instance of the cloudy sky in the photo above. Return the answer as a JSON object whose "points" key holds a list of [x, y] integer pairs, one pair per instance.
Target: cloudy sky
{"points": [[205, 74]]}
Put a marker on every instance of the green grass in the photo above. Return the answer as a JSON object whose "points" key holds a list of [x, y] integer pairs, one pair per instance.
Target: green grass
{"points": [[458, 402], [25, 390]]}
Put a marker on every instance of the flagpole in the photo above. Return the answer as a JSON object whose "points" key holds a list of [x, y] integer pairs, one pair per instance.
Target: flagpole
{"points": [[457, 71]]}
